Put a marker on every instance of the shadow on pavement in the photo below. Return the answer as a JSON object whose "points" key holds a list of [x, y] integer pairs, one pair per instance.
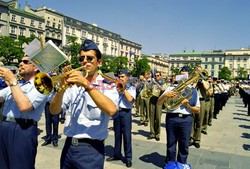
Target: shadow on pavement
{"points": [[240, 114], [237, 118], [154, 158], [242, 111], [136, 121], [246, 147], [245, 135], [239, 106], [141, 132], [244, 126]]}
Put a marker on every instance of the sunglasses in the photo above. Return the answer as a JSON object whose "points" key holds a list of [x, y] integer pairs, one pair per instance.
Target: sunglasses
{"points": [[157, 75], [89, 58], [25, 62]]}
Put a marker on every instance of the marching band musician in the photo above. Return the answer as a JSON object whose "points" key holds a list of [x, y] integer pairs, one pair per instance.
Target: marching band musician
{"points": [[179, 122], [139, 86], [144, 104], [123, 119], [217, 97], [199, 122], [89, 103], [211, 106], [158, 88], [22, 110]]}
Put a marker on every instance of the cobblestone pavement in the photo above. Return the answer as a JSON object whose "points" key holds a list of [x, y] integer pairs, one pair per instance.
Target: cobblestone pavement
{"points": [[227, 145]]}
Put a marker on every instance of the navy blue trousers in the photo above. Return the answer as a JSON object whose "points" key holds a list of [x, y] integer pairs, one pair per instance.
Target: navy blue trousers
{"points": [[18, 146], [122, 128], [178, 131], [52, 121], [84, 156]]}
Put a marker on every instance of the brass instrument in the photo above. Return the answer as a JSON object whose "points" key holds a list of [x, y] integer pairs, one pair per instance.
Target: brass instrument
{"points": [[183, 91], [45, 84], [146, 92], [119, 86]]}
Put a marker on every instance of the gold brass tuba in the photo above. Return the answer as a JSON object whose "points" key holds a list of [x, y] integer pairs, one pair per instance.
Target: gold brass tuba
{"points": [[183, 91], [45, 84], [146, 92]]}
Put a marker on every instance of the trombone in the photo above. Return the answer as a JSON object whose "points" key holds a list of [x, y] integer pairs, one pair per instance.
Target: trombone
{"points": [[46, 84]]}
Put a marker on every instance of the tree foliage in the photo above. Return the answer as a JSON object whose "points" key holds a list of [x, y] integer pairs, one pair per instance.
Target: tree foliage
{"points": [[225, 73], [119, 63], [10, 50], [107, 64], [242, 74], [175, 70], [72, 50], [141, 65]]}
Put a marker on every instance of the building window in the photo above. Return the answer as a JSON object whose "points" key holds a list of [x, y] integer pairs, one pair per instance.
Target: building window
{"points": [[205, 66], [212, 59], [40, 25], [21, 32], [231, 66], [13, 30], [47, 34], [22, 20], [67, 29], [84, 33], [13, 18], [53, 35], [219, 66], [32, 23], [212, 66], [32, 32], [238, 59], [245, 59], [58, 36], [105, 50], [59, 26], [238, 66], [54, 25], [105, 40], [73, 31], [206, 59], [220, 59], [48, 23]]}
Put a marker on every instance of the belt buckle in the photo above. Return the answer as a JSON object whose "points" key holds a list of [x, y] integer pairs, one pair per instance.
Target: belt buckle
{"points": [[74, 142], [180, 115]]}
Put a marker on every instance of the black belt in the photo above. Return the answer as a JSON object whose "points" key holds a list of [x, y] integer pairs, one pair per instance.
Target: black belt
{"points": [[177, 115], [203, 99], [123, 109], [22, 122], [83, 141]]}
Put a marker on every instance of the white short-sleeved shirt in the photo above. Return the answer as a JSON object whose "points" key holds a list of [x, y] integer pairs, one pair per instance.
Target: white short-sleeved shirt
{"points": [[123, 102], [83, 118], [37, 100], [194, 101]]}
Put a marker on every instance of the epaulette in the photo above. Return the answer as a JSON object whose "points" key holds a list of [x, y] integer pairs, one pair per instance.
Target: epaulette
{"points": [[107, 81]]}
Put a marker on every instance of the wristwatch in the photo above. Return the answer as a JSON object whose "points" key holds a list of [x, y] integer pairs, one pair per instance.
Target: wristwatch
{"points": [[89, 87], [15, 83]]}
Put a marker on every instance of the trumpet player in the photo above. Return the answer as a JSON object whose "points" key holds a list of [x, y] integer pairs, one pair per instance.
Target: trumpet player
{"points": [[22, 110], [123, 119], [179, 122], [89, 103]]}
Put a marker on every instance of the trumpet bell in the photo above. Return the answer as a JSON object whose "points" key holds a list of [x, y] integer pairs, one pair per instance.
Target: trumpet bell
{"points": [[43, 83]]}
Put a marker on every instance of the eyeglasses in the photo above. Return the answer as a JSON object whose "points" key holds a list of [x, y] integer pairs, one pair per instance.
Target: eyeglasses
{"points": [[25, 62], [89, 58], [157, 75]]}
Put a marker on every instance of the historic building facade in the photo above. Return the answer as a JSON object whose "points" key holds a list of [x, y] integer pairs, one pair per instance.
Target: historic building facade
{"points": [[235, 59], [159, 63], [4, 18], [213, 61]]}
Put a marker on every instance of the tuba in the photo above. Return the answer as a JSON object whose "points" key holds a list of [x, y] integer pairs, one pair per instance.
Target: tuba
{"points": [[146, 92], [183, 91], [46, 84]]}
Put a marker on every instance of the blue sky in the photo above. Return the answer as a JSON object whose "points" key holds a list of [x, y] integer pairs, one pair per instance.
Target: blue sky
{"points": [[165, 26]]}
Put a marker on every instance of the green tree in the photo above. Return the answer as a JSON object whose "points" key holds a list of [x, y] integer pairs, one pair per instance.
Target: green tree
{"points": [[107, 64], [141, 65], [242, 74], [73, 51], [225, 73], [119, 63], [175, 70], [10, 50]]}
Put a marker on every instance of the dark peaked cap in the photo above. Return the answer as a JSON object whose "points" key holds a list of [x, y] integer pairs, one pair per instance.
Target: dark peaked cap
{"points": [[185, 69], [124, 71], [89, 45]]}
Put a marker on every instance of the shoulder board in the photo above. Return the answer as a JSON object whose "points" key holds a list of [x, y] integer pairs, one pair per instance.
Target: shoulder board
{"points": [[107, 81]]}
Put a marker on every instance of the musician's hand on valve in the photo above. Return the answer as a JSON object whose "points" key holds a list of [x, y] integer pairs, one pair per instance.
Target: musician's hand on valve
{"points": [[7, 75], [185, 103], [170, 94], [77, 78]]}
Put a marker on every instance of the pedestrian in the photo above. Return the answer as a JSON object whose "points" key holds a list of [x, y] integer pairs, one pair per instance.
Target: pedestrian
{"points": [[88, 103], [123, 120], [179, 122], [22, 110]]}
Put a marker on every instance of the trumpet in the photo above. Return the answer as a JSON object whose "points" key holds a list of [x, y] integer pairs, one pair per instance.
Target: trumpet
{"points": [[119, 86], [46, 84]]}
